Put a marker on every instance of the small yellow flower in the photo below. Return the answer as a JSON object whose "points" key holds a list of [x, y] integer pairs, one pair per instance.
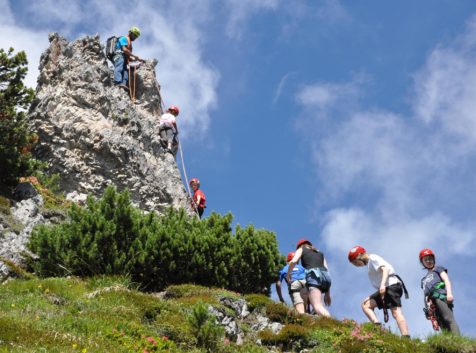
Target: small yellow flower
{"points": [[75, 345], [13, 305], [47, 290], [84, 350]]}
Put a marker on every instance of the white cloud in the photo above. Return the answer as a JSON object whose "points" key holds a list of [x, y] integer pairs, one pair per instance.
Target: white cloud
{"points": [[241, 10], [324, 98], [332, 11], [446, 86], [396, 184], [171, 32]]}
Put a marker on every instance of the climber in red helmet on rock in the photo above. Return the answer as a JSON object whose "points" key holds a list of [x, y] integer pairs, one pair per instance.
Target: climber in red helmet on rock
{"points": [[389, 285], [199, 199], [168, 128], [297, 287]]}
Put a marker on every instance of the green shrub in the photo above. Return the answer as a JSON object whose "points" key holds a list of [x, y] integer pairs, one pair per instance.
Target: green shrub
{"points": [[257, 301], [204, 328], [281, 313], [448, 343], [111, 237]]}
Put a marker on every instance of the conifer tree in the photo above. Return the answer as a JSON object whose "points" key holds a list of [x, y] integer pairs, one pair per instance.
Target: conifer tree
{"points": [[109, 236], [15, 99]]}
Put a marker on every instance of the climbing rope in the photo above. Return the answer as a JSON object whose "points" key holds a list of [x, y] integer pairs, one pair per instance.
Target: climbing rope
{"points": [[132, 87], [186, 179], [194, 205]]}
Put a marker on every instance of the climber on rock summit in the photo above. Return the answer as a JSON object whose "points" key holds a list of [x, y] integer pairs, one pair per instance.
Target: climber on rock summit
{"points": [[123, 56]]}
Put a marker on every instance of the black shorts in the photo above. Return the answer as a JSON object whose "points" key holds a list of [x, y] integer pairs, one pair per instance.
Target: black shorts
{"points": [[392, 297]]}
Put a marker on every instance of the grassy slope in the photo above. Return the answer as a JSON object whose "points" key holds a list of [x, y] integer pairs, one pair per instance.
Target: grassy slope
{"points": [[105, 315]]}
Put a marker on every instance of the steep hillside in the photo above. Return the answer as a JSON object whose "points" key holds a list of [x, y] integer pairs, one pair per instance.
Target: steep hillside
{"points": [[108, 315]]}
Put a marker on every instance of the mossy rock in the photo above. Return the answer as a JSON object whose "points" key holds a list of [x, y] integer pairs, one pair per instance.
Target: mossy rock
{"points": [[5, 205], [291, 337], [11, 223]]}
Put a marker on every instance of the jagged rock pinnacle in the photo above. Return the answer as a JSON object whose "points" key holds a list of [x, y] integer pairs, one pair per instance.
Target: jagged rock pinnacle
{"points": [[93, 135]]}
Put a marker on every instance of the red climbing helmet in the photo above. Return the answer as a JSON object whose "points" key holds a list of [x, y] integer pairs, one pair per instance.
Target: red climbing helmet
{"points": [[195, 180], [426, 252], [303, 241], [174, 109], [356, 251], [290, 256]]}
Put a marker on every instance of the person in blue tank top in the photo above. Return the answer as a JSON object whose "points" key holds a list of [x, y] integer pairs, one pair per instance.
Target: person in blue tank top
{"points": [[123, 56], [318, 280], [297, 286]]}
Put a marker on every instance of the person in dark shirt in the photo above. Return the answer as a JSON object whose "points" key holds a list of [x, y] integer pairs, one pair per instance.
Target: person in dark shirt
{"points": [[437, 290], [318, 281]]}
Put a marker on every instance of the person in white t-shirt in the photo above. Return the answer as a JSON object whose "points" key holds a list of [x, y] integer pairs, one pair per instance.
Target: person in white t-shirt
{"points": [[168, 128], [389, 287]]}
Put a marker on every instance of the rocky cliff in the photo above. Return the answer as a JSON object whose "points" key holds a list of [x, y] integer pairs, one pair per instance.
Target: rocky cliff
{"points": [[93, 135]]}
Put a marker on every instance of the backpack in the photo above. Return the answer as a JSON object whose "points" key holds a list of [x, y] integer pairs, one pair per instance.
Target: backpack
{"points": [[111, 47]]}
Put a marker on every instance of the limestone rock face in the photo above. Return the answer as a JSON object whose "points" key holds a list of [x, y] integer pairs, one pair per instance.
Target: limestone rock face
{"points": [[16, 227], [93, 135]]}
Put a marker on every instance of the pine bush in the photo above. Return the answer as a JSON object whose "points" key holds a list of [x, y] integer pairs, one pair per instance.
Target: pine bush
{"points": [[109, 236], [16, 141]]}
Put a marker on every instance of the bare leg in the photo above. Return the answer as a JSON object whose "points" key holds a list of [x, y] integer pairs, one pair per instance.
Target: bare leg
{"points": [[315, 297], [401, 322], [368, 307], [300, 308]]}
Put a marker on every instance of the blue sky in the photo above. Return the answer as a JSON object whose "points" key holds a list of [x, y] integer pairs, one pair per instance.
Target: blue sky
{"points": [[343, 122]]}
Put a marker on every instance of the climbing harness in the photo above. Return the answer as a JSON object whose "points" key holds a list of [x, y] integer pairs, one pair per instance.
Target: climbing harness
{"points": [[430, 314], [439, 291], [385, 310]]}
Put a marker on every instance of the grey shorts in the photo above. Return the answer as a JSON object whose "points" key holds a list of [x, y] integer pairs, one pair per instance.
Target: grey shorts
{"points": [[297, 290]]}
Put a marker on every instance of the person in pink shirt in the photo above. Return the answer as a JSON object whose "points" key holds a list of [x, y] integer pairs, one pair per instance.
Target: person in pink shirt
{"points": [[168, 128]]}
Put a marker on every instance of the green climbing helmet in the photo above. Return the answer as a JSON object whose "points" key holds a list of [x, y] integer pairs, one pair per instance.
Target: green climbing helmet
{"points": [[135, 31]]}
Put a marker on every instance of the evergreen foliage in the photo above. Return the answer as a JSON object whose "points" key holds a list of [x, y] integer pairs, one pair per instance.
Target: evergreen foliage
{"points": [[110, 236], [15, 139], [204, 328]]}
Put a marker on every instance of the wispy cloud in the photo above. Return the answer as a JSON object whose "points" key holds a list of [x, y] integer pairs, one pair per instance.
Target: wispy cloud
{"points": [[281, 85], [446, 86], [332, 11], [171, 32], [395, 183], [241, 10]]}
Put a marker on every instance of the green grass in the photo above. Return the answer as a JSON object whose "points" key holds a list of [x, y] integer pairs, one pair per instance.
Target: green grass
{"points": [[109, 314]]}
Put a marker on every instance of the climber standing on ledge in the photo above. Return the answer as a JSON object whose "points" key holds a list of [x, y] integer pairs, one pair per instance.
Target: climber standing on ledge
{"points": [[168, 128], [123, 55]]}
